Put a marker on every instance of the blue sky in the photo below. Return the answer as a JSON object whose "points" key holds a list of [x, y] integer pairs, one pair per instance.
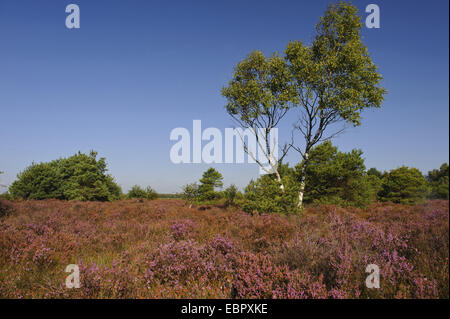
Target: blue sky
{"points": [[137, 69]]}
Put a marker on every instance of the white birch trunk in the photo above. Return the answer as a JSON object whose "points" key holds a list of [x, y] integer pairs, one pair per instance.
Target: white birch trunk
{"points": [[301, 193]]}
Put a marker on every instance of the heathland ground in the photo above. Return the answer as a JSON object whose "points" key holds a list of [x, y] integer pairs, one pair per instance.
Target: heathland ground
{"points": [[166, 249]]}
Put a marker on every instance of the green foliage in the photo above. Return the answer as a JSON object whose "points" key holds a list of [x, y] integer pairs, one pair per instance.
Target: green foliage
{"points": [[336, 69], [205, 193], [335, 177], [232, 195], [329, 81], [374, 172], [259, 96], [79, 177], [260, 87], [404, 185], [191, 192], [170, 195], [38, 181], [137, 192], [438, 179], [336, 80], [375, 184], [265, 196], [210, 180], [6, 196]]}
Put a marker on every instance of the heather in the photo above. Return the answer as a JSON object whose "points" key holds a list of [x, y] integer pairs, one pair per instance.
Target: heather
{"points": [[139, 248]]}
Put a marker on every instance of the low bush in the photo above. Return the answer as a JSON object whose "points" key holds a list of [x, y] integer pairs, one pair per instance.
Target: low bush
{"points": [[137, 192]]}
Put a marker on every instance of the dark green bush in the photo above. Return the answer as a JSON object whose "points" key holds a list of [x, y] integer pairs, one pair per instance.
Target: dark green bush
{"points": [[6, 196], [79, 177], [206, 191], [232, 195], [190, 192], [438, 179], [211, 179], [334, 177], [138, 192], [405, 186], [265, 195]]}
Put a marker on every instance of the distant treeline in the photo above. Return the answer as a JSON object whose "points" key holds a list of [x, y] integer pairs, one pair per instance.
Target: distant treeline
{"points": [[333, 177], [170, 196]]}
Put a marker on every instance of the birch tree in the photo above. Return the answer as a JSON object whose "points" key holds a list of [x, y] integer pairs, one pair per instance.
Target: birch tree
{"points": [[335, 80], [259, 96]]}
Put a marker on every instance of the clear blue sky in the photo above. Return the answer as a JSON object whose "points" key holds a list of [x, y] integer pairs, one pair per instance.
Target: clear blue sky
{"points": [[137, 69]]}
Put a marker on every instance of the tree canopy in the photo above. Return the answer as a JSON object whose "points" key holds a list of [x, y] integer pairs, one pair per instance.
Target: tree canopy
{"points": [[327, 82], [438, 179], [210, 180], [404, 185], [259, 96], [78, 177]]}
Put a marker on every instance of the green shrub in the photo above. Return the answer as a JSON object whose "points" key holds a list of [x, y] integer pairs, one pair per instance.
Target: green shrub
{"points": [[374, 172], [232, 195], [79, 177], [438, 179], [405, 186], [334, 177], [265, 195], [190, 192], [205, 192], [6, 196], [211, 179], [137, 192]]}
